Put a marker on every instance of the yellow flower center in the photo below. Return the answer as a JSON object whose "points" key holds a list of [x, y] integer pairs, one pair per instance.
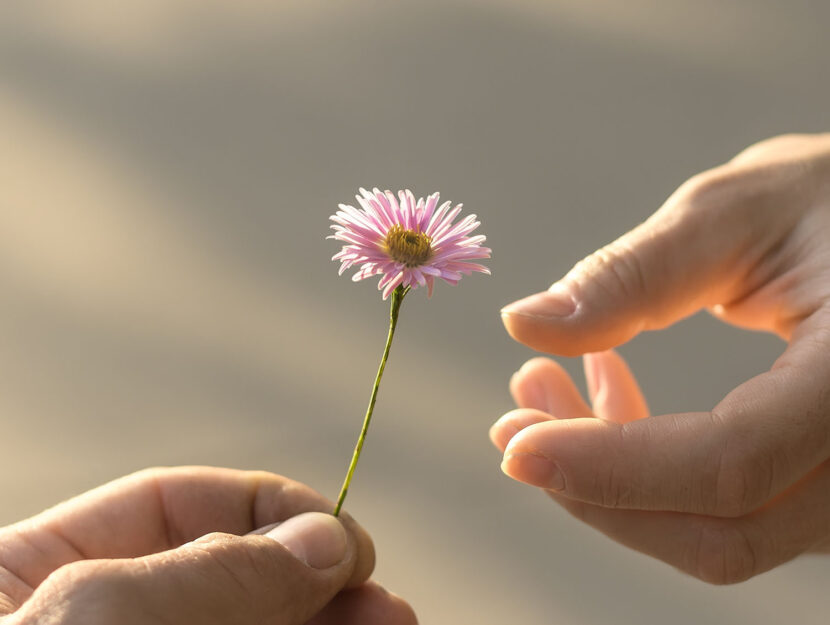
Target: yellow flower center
{"points": [[407, 246]]}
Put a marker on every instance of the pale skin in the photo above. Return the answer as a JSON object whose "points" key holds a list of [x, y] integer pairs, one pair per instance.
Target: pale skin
{"points": [[193, 545], [723, 494]]}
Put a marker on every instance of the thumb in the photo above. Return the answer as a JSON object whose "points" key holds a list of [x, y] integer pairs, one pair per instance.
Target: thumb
{"points": [[690, 254], [282, 577]]}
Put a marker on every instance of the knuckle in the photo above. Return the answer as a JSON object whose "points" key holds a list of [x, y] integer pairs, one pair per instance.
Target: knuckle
{"points": [[793, 136], [729, 195], [725, 554], [152, 473], [786, 139], [98, 585], [223, 572], [610, 493], [154, 476], [712, 189], [733, 494], [743, 481], [93, 592], [774, 145], [82, 574], [614, 488], [221, 555], [215, 539], [616, 268]]}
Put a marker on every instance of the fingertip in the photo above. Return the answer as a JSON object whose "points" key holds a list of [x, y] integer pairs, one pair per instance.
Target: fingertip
{"points": [[365, 548], [526, 385], [614, 391], [502, 431], [525, 439], [561, 337], [542, 369], [394, 608], [544, 384], [404, 614], [527, 390], [369, 603], [512, 423], [359, 541], [515, 326], [500, 434], [540, 363], [533, 469], [544, 323], [527, 457], [555, 303], [531, 331], [530, 320]]}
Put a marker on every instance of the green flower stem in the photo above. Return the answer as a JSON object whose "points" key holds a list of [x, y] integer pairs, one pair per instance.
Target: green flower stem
{"points": [[397, 298]]}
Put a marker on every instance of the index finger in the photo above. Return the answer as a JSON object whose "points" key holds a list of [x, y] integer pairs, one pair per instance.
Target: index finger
{"points": [[693, 253], [159, 509]]}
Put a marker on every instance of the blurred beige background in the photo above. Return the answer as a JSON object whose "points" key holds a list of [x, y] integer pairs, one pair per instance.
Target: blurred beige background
{"points": [[166, 176]]}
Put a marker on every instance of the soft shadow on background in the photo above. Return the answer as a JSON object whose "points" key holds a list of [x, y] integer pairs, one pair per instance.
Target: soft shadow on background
{"points": [[167, 297]]}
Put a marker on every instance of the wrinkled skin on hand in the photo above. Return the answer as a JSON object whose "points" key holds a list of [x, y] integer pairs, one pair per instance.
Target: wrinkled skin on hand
{"points": [[724, 494], [174, 547]]}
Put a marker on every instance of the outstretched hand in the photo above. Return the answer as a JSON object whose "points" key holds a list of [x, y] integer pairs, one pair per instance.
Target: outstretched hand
{"points": [[193, 545], [724, 494]]}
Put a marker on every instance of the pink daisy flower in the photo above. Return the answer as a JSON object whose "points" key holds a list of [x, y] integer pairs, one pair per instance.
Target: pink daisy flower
{"points": [[408, 243]]}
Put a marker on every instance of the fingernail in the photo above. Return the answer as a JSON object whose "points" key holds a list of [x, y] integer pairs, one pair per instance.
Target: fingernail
{"points": [[315, 538], [533, 469], [554, 303]]}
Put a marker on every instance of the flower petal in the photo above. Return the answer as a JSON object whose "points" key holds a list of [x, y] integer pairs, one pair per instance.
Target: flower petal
{"points": [[364, 232]]}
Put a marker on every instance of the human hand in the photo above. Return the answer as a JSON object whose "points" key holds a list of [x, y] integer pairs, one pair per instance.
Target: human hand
{"points": [[175, 546], [724, 494]]}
